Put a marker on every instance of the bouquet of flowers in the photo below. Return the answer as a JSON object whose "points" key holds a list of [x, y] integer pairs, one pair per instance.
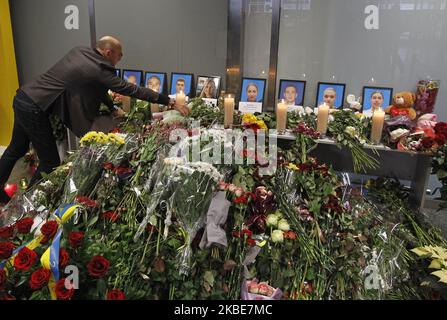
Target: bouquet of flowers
{"points": [[96, 149], [254, 290], [348, 130], [427, 91], [250, 121]]}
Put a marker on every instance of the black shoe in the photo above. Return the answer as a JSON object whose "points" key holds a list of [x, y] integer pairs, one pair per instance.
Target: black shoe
{"points": [[4, 198]]}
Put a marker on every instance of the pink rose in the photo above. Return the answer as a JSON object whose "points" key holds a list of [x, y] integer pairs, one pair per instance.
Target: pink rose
{"points": [[252, 287], [238, 192], [265, 289]]}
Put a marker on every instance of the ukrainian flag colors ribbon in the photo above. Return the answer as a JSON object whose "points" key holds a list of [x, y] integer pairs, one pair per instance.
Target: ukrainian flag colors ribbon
{"points": [[50, 258]]}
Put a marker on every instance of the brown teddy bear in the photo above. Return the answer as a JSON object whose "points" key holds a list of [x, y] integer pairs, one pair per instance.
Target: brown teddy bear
{"points": [[403, 103]]}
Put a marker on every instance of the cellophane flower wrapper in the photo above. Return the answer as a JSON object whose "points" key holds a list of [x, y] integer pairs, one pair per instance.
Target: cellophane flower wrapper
{"points": [[246, 295], [195, 183], [158, 187], [88, 164]]}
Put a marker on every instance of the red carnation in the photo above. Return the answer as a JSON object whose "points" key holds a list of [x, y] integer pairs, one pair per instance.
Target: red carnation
{"points": [[6, 249], [241, 199], [48, 230], [115, 295], [62, 293], [110, 215], [87, 201], [6, 232], [75, 239], [25, 259], [98, 266], [39, 278], [2, 279], [64, 257], [24, 225]]}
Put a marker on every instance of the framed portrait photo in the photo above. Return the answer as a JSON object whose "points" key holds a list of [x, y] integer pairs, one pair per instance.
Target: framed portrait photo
{"points": [[156, 81], [331, 93], [252, 90], [133, 76], [182, 82], [292, 91], [118, 72], [208, 87], [376, 97]]}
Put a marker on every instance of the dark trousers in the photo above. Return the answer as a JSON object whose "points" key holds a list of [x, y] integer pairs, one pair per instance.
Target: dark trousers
{"points": [[30, 125]]}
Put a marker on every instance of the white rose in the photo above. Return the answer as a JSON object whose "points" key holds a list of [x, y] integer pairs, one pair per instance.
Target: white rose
{"points": [[272, 220], [283, 225], [277, 236]]}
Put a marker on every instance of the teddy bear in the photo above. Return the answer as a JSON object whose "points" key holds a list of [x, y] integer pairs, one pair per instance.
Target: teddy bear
{"points": [[403, 103]]}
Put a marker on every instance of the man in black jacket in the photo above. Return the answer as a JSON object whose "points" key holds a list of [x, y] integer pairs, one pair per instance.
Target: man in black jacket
{"points": [[73, 89]]}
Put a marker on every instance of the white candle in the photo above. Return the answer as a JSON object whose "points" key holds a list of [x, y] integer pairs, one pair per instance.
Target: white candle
{"points": [[229, 110], [281, 116], [322, 119], [180, 98], [377, 125]]}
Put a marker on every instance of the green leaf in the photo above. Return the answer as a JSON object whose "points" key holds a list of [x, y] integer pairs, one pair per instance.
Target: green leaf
{"points": [[435, 264], [441, 274], [421, 251], [209, 277], [92, 221]]}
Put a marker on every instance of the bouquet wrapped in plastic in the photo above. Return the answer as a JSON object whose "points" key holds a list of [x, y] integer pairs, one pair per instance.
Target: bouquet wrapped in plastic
{"points": [[254, 290], [96, 149], [427, 91]]}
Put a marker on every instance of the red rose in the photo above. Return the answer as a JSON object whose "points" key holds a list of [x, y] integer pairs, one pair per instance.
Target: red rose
{"points": [[24, 225], [7, 297], [115, 295], [75, 239], [98, 266], [290, 235], [427, 142], [241, 199], [25, 259], [2, 278], [108, 166], [6, 249], [39, 278], [110, 215], [48, 230], [6, 232], [62, 293], [122, 170], [63, 258], [440, 139]]}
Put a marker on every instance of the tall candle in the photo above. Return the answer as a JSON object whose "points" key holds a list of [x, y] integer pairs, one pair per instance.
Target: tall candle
{"points": [[281, 116], [322, 119], [229, 110], [180, 98], [377, 125]]}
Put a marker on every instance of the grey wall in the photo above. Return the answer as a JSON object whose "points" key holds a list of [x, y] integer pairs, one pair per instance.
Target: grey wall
{"points": [[40, 37], [168, 35]]}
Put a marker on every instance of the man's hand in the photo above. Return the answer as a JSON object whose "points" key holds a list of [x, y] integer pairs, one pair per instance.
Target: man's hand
{"points": [[183, 109], [118, 113]]}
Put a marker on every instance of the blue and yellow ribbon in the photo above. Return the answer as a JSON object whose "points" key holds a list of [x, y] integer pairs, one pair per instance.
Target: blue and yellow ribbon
{"points": [[50, 258]]}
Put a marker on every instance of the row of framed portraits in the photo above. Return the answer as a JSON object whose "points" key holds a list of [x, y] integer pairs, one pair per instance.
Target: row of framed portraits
{"points": [[252, 90], [205, 86], [292, 92]]}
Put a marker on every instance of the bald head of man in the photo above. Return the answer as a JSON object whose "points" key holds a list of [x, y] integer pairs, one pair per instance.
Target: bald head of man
{"points": [[110, 48]]}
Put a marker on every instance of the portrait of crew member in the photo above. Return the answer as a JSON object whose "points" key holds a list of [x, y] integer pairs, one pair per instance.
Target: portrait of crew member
{"points": [[132, 79], [154, 83], [376, 102], [290, 94], [209, 89], [252, 92], [180, 85], [329, 96]]}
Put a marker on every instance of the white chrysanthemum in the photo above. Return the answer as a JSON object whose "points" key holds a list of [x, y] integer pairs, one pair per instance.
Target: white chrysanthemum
{"points": [[277, 236]]}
